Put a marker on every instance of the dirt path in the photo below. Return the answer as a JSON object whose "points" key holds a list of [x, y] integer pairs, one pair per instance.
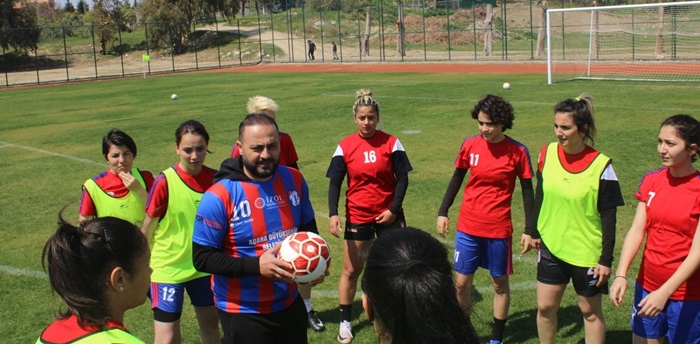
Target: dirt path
{"points": [[292, 47]]}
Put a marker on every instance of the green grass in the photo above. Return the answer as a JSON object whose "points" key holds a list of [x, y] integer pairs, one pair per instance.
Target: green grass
{"points": [[70, 120]]}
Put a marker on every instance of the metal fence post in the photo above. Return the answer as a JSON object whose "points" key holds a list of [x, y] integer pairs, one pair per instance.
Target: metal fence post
{"points": [[449, 33], [532, 35], [94, 53], [382, 45], [240, 52], [320, 17], [65, 51], [303, 28], [218, 46], [7, 79], [476, 38], [359, 35], [172, 49], [504, 26], [290, 36], [196, 55], [36, 64], [340, 37], [425, 37], [260, 49], [121, 51], [148, 63]]}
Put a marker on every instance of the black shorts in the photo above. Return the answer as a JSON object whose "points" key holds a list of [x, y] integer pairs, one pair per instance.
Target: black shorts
{"points": [[286, 326], [554, 271], [368, 231]]}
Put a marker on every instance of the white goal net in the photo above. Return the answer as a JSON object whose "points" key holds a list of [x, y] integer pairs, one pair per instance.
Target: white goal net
{"points": [[654, 42]]}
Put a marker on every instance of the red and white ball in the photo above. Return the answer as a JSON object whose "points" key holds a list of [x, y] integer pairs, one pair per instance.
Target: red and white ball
{"points": [[309, 254]]}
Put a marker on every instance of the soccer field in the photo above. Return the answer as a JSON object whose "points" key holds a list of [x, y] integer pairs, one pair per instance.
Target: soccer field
{"points": [[50, 143]]}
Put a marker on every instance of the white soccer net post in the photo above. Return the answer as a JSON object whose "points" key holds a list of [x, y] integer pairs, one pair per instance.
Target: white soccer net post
{"points": [[650, 42]]}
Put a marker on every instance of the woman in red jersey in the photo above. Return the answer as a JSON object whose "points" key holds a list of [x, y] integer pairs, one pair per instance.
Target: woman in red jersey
{"points": [[377, 169], [667, 289], [100, 270], [121, 190], [170, 216], [484, 228]]}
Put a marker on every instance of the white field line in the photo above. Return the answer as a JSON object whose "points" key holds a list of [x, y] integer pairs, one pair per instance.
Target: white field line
{"points": [[22, 272], [319, 292], [87, 161]]}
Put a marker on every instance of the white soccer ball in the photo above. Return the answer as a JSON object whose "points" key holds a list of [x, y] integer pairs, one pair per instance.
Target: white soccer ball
{"points": [[506, 85], [174, 97], [309, 254]]}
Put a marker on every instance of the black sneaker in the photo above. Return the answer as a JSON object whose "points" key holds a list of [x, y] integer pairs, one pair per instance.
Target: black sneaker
{"points": [[315, 323]]}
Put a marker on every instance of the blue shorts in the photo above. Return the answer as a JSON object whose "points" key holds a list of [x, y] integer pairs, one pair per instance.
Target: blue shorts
{"points": [[170, 296], [680, 320], [472, 252]]}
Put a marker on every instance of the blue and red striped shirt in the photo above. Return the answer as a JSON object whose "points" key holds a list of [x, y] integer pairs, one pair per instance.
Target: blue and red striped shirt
{"points": [[245, 218]]}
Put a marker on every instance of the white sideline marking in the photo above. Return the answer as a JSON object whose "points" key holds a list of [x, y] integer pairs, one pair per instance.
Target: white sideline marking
{"points": [[22, 272], [323, 293], [486, 289], [87, 161]]}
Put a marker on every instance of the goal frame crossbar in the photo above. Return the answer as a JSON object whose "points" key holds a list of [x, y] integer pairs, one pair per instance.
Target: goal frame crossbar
{"points": [[593, 9]]}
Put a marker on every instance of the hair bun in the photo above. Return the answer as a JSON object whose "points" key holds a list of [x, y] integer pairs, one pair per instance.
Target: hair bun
{"points": [[363, 92]]}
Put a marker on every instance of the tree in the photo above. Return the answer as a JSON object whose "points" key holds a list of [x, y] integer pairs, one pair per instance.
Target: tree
{"points": [[82, 7], [542, 31], [170, 21], [167, 25], [364, 43], [18, 29], [123, 15], [488, 30], [101, 19], [401, 28], [69, 7]]}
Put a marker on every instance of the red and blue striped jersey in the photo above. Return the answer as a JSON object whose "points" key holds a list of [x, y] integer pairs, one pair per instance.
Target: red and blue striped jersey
{"points": [[245, 218]]}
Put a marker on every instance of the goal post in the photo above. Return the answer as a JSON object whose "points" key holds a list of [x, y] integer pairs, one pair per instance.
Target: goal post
{"points": [[650, 42]]}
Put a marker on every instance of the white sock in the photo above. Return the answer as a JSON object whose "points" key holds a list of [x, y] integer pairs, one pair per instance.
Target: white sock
{"points": [[307, 303]]}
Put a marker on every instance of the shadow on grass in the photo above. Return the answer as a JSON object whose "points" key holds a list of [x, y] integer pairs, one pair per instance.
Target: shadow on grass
{"points": [[24, 63], [522, 327], [359, 321]]}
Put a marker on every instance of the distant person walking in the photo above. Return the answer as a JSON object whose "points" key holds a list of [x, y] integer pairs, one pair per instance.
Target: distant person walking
{"points": [[335, 50], [312, 49]]}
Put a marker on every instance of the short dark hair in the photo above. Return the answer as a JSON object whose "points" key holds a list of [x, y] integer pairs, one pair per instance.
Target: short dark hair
{"points": [[687, 128], [79, 260], [408, 281], [117, 137], [498, 109], [256, 119]]}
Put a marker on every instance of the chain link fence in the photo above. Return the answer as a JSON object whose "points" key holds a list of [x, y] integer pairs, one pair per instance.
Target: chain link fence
{"points": [[418, 31]]}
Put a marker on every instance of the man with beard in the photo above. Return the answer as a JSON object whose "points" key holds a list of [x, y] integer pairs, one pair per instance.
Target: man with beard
{"points": [[241, 221]]}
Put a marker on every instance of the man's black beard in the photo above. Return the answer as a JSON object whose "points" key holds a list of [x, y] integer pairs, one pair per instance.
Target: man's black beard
{"points": [[252, 169]]}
